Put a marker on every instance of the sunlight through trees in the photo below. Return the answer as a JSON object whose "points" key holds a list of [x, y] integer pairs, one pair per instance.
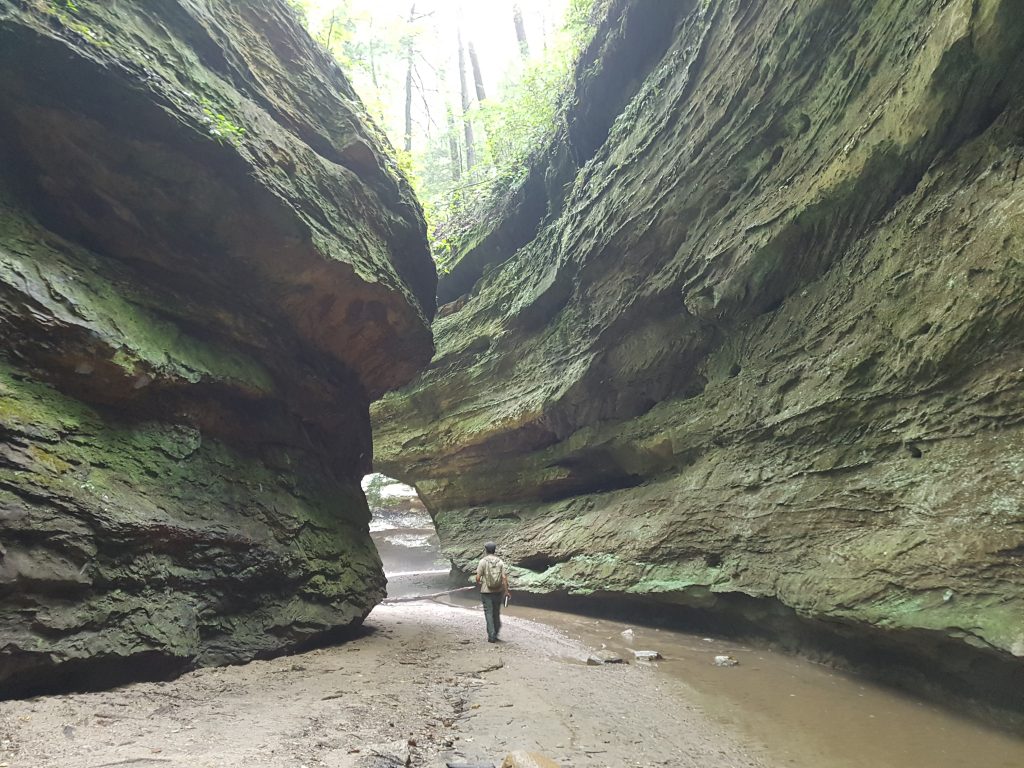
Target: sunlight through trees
{"points": [[464, 91]]}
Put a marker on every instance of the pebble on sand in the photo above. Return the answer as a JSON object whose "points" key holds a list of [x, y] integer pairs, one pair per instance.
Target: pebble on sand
{"points": [[646, 655], [598, 658], [520, 759]]}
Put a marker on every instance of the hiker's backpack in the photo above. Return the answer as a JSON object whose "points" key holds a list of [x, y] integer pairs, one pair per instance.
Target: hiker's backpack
{"points": [[492, 574]]}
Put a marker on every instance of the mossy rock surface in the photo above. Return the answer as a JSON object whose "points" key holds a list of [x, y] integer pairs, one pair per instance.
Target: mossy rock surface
{"points": [[209, 267], [768, 344]]}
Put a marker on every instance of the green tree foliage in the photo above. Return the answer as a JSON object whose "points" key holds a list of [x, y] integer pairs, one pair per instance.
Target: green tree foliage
{"points": [[372, 490], [374, 497], [366, 49], [528, 112], [300, 9], [384, 44], [517, 125]]}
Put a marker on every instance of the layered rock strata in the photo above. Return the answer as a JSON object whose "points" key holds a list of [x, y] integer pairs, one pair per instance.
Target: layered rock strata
{"points": [[762, 345], [208, 268]]}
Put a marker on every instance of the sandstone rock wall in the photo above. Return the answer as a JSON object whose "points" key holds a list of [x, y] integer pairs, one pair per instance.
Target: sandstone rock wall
{"points": [[766, 342], [208, 268]]}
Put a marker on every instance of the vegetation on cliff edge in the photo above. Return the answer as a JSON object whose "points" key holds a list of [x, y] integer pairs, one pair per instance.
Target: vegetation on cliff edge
{"points": [[466, 94]]}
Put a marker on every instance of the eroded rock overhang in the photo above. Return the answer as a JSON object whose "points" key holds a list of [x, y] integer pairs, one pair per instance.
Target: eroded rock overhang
{"points": [[763, 338], [209, 266]]}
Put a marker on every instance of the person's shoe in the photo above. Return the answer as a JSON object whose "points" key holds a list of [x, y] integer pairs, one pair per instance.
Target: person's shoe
{"points": [[492, 639]]}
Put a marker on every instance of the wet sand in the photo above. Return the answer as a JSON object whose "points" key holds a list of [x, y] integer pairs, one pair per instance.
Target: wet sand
{"points": [[789, 711], [796, 713], [420, 687]]}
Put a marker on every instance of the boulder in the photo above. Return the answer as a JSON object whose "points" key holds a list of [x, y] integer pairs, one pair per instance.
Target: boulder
{"points": [[209, 266]]}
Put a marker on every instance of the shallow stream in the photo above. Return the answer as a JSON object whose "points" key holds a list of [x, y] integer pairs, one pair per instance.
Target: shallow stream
{"points": [[796, 713]]}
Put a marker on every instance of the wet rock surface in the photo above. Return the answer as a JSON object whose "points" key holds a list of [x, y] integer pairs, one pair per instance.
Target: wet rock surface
{"points": [[759, 352], [208, 268]]}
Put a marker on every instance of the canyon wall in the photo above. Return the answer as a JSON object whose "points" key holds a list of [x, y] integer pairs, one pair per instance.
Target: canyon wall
{"points": [[748, 336], [209, 267]]}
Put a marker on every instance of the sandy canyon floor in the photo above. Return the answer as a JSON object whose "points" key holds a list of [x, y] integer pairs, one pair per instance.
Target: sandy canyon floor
{"points": [[419, 687]]}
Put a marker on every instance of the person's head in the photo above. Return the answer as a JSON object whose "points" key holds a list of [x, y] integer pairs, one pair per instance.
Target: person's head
{"points": [[489, 547]]}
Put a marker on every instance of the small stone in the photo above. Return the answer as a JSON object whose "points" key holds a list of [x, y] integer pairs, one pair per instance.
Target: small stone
{"points": [[520, 759], [725, 661], [604, 657], [646, 655]]}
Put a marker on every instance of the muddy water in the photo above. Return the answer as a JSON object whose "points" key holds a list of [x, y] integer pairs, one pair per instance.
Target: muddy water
{"points": [[800, 714], [803, 714]]}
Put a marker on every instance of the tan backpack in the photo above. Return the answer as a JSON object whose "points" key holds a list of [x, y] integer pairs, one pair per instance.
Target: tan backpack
{"points": [[492, 574]]}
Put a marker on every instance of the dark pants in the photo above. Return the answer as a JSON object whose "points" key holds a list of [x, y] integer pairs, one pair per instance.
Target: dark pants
{"points": [[492, 612]]}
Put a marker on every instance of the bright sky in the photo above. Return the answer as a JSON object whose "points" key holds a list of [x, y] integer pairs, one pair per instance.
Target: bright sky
{"points": [[488, 23]]}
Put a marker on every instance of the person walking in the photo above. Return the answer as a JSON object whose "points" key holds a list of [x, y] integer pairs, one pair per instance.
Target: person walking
{"points": [[492, 578]]}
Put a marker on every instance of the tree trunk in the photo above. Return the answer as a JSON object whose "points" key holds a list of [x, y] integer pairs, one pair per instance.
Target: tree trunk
{"points": [[454, 153], [408, 109], [408, 80], [371, 48], [517, 18], [467, 124], [330, 31], [478, 80]]}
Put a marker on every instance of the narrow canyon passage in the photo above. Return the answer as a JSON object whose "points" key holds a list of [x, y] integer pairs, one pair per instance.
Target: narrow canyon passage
{"points": [[407, 540], [707, 312]]}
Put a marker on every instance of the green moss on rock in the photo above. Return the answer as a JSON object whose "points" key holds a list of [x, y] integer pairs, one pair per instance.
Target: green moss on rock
{"points": [[208, 268], [765, 349]]}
